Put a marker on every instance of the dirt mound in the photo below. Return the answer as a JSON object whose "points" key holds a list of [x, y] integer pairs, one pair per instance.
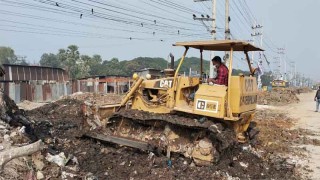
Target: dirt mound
{"points": [[278, 135], [65, 108], [107, 161], [96, 98], [28, 105], [70, 156], [278, 97], [63, 119], [303, 90]]}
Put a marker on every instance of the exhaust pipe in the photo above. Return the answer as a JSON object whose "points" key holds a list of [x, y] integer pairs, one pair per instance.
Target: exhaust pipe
{"points": [[172, 61]]}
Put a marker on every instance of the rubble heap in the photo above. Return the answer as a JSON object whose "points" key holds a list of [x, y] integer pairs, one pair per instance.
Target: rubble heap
{"points": [[95, 98], [69, 155], [278, 97]]}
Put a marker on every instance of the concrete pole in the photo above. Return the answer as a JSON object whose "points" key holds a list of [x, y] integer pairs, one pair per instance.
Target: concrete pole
{"points": [[253, 40], [227, 32], [213, 33]]}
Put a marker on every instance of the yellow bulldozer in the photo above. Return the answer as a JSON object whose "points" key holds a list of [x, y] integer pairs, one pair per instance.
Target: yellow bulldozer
{"points": [[279, 84], [186, 115]]}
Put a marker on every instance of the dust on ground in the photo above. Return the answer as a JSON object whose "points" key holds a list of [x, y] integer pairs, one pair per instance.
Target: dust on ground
{"points": [[60, 126], [28, 105], [308, 120]]}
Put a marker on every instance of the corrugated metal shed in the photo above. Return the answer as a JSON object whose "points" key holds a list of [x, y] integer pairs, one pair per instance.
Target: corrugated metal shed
{"points": [[27, 73]]}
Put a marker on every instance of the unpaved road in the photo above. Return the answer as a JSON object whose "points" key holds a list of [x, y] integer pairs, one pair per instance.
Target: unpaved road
{"points": [[310, 120]]}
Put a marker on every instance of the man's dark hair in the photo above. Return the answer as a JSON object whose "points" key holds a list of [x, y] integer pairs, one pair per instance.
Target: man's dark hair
{"points": [[217, 59]]}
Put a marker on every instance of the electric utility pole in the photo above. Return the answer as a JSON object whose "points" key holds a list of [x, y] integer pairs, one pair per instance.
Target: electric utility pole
{"points": [[278, 73], [227, 31], [281, 52], [213, 29], [293, 73], [227, 28], [257, 31]]}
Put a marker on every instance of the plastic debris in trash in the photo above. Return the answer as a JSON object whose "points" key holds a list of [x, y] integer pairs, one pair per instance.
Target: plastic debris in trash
{"points": [[59, 159], [169, 162], [22, 130], [90, 176], [245, 165], [202, 120], [66, 175], [151, 155]]}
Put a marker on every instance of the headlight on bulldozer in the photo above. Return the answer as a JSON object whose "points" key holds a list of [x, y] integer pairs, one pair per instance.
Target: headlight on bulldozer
{"points": [[135, 76]]}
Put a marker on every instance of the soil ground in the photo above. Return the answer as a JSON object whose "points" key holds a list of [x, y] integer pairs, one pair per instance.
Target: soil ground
{"points": [[308, 120], [275, 154]]}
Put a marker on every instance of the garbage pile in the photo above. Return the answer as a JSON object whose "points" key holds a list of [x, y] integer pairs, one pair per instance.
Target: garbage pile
{"points": [[95, 98], [29, 105], [17, 140], [67, 154], [278, 97]]}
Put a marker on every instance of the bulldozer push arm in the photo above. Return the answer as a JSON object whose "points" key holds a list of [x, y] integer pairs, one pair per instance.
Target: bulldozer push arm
{"points": [[131, 92]]}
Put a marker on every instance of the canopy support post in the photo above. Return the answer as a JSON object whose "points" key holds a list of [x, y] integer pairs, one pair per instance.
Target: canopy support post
{"points": [[201, 65]]}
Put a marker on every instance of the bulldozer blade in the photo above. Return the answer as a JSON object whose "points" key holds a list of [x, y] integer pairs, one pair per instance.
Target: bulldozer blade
{"points": [[122, 141]]}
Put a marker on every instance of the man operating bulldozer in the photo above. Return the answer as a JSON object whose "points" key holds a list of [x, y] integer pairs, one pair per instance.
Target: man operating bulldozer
{"points": [[222, 72]]}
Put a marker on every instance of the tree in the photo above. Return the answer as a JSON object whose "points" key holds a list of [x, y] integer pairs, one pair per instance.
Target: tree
{"points": [[21, 60], [50, 60], [113, 67], [7, 56], [266, 79], [71, 61], [95, 65]]}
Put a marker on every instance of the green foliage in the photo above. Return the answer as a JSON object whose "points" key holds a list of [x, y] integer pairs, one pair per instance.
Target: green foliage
{"points": [[50, 60], [127, 68], [7, 56], [69, 59], [266, 79], [194, 64], [80, 66]]}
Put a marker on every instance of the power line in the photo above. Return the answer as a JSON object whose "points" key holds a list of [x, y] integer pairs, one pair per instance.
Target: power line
{"points": [[175, 7], [254, 18], [136, 25], [78, 24], [179, 5], [141, 13], [116, 18], [164, 10]]}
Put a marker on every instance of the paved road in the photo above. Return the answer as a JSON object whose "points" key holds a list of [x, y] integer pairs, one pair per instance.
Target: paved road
{"points": [[308, 119]]}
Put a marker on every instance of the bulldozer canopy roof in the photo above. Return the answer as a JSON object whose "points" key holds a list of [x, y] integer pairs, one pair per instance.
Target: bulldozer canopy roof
{"points": [[220, 45]]}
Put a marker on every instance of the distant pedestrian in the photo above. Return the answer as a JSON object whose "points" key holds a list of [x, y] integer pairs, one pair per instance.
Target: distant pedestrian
{"points": [[317, 99]]}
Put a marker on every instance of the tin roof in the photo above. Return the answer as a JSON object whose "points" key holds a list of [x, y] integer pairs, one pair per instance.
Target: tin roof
{"points": [[220, 45]]}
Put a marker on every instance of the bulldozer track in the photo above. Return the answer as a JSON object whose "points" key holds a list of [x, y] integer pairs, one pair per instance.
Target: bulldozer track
{"points": [[182, 133], [175, 119]]}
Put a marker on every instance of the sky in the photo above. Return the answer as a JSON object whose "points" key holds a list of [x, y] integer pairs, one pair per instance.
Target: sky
{"points": [[127, 29]]}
